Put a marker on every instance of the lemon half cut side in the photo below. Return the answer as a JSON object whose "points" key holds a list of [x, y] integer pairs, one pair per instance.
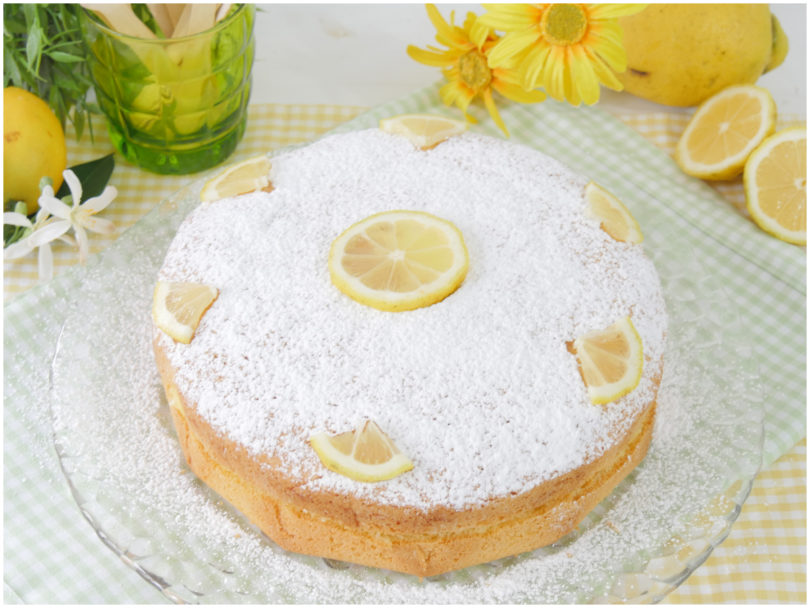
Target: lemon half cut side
{"points": [[724, 131], [363, 454], [399, 260], [610, 361], [177, 308], [423, 130], [775, 182]]}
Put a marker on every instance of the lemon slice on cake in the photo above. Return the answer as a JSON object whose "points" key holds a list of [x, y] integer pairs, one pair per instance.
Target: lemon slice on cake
{"points": [[610, 361], [248, 176], [775, 182], [178, 307], [614, 217], [364, 454], [423, 130], [724, 131], [399, 260]]}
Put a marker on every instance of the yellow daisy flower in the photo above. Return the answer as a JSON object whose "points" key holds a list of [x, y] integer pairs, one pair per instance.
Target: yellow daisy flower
{"points": [[568, 49], [467, 69]]}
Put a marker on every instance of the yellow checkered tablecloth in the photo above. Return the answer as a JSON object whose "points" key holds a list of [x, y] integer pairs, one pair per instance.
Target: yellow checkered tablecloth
{"points": [[763, 559]]}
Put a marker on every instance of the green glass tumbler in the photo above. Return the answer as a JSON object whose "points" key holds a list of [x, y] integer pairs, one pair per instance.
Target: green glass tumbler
{"points": [[174, 105]]}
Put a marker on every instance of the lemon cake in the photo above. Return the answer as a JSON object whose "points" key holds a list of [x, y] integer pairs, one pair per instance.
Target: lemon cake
{"points": [[486, 393]]}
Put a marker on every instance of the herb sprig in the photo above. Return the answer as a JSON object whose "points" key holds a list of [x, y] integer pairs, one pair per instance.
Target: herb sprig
{"points": [[43, 53]]}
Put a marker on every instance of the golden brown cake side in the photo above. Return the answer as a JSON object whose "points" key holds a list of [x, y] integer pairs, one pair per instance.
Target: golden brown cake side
{"points": [[385, 536]]}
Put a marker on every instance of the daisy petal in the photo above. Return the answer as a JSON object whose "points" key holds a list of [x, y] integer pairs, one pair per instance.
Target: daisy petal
{"points": [[605, 75], [510, 17], [606, 31], [553, 75], [583, 76], [49, 232], [510, 45], [533, 66], [572, 94], [445, 33], [455, 93], [489, 102], [430, 58], [479, 33], [612, 53], [517, 93]]}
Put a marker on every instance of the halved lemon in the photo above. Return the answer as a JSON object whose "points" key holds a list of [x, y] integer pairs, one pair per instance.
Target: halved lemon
{"points": [[178, 307], [399, 260], [364, 454], [614, 217], [775, 181], [248, 176], [610, 361], [724, 131], [423, 130]]}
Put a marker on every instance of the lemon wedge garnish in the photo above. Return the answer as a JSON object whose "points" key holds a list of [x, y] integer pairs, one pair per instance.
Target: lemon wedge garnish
{"points": [[610, 361], [724, 131], [399, 260], [614, 217], [423, 130], [775, 181], [364, 454], [178, 307], [248, 176]]}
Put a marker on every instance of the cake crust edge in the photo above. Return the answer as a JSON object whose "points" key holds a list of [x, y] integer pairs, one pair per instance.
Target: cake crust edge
{"points": [[404, 539]]}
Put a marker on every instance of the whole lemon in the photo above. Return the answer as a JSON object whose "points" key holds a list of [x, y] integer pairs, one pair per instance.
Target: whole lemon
{"points": [[682, 54], [33, 147]]}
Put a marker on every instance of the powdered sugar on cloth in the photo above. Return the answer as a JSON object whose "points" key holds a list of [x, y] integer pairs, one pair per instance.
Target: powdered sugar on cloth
{"points": [[479, 390]]}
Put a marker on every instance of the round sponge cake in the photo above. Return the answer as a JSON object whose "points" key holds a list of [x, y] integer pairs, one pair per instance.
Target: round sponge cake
{"points": [[480, 390]]}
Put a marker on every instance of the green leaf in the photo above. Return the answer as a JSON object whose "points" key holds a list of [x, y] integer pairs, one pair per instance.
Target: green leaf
{"points": [[11, 234], [66, 82], [93, 176], [63, 57], [11, 22], [33, 46], [11, 71]]}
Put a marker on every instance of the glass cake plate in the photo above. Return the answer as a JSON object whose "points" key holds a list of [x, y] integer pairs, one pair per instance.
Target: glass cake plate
{"points": [[124, 466]]}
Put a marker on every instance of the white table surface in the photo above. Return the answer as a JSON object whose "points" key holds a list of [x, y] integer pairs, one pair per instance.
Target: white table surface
{"points": [[354, 54]]}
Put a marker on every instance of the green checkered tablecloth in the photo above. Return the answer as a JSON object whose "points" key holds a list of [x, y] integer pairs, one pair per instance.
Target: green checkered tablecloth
{"points": [[53, 555]]}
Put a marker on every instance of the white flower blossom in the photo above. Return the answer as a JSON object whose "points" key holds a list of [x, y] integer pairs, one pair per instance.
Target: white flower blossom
{"points": [[41, 233], [54, 219], [79, 216]]}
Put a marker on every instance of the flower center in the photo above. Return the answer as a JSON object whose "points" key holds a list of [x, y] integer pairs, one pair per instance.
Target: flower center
{"points": [[564, 24], [474, 70]]}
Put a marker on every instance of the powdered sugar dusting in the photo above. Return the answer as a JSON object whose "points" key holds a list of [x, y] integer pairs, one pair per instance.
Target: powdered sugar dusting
{"points": [[479, 390]]}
